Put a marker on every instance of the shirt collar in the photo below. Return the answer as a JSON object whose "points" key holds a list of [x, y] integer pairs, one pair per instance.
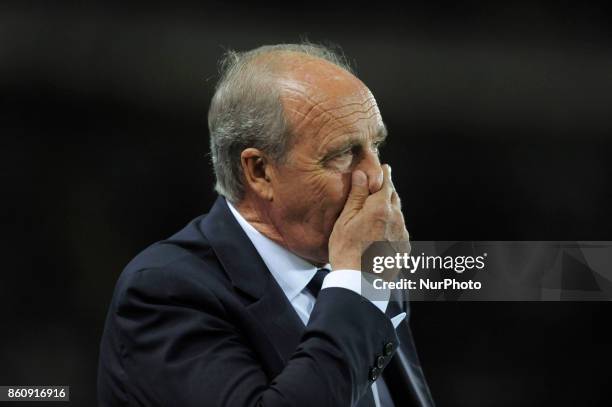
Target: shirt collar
{"points": [[291, 272]]}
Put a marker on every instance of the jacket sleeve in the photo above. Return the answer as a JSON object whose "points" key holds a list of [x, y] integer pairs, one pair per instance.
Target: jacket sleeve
{"points": [[180, 347]]}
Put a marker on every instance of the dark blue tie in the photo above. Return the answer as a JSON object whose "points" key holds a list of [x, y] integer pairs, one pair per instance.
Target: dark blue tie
{"points": [[314, 286]]}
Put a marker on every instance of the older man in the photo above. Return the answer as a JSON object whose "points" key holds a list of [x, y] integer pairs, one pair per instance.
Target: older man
{"points": [[239, 308]]}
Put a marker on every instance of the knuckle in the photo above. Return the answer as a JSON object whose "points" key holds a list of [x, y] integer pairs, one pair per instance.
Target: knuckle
{"points": [[383, 211]]}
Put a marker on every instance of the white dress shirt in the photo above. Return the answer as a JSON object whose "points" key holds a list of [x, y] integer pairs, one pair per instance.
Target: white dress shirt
{"points": [[292, 273]]}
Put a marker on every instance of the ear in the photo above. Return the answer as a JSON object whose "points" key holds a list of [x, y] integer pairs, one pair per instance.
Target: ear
{"points": [[257, 172]]}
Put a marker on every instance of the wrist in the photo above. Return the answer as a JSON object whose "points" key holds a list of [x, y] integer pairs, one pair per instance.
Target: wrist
{"points": [[346, 264]]}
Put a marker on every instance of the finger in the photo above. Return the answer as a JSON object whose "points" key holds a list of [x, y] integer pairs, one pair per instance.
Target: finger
{"points": [[359, 191], [387, 186], [376, 181], [395, 200]]}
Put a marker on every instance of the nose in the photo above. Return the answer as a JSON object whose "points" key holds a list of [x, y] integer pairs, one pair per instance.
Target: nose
{"points": [[370, 164]]}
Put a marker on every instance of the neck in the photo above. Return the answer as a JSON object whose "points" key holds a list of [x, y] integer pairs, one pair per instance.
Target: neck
{"points": [[259, 219]]}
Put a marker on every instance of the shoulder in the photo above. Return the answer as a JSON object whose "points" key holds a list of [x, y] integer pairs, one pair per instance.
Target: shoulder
{"points": [[182, 268]]}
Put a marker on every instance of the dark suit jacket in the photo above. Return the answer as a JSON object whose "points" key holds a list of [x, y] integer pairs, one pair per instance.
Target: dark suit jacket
{"points": [[198, 320]]}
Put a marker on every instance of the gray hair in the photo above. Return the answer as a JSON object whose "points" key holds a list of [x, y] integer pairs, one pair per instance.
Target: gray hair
{"points": [[246, 111]]}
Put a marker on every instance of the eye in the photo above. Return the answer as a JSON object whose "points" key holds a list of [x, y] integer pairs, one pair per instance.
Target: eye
{"points": [[342, 160], [377, 146]]}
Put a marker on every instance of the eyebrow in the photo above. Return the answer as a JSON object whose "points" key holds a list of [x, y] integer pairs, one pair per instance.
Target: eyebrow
{"points": [[382, 134], [351, 142]]}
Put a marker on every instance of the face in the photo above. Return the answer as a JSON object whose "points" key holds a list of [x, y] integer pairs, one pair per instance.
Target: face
{"points": [[337, 129]]}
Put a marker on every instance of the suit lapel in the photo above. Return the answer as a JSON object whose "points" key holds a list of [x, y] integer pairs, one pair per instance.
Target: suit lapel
{"points": [[279, 318], [249, 275]]}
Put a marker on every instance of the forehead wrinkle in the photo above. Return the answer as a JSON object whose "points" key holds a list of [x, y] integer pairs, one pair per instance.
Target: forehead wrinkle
{"points": [[353, 112], [345, 106], [316, 125], [312, 106], [352, 123], [330, 110], [303, 93], [299, 97], [330, 116]]}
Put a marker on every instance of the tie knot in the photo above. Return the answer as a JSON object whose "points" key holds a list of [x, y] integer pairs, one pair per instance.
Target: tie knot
{"points": [[314, 286]]}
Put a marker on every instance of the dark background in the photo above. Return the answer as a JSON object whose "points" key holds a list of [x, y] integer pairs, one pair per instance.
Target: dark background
{"points": [[500, 125]]}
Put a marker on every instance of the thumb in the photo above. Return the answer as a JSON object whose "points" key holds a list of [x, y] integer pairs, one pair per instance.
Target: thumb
{"points": [[359, 191]]}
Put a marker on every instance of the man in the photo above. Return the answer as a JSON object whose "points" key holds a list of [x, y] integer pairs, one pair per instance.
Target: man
{"points": [[237, 309]]}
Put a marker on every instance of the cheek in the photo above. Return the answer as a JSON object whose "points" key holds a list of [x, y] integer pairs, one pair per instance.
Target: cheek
{"points": [[342, 187], [334, 193], [315, 199], [328, 188]]}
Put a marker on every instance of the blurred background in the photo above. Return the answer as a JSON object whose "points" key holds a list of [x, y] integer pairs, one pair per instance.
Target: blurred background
{"points": [[500, 129]]}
